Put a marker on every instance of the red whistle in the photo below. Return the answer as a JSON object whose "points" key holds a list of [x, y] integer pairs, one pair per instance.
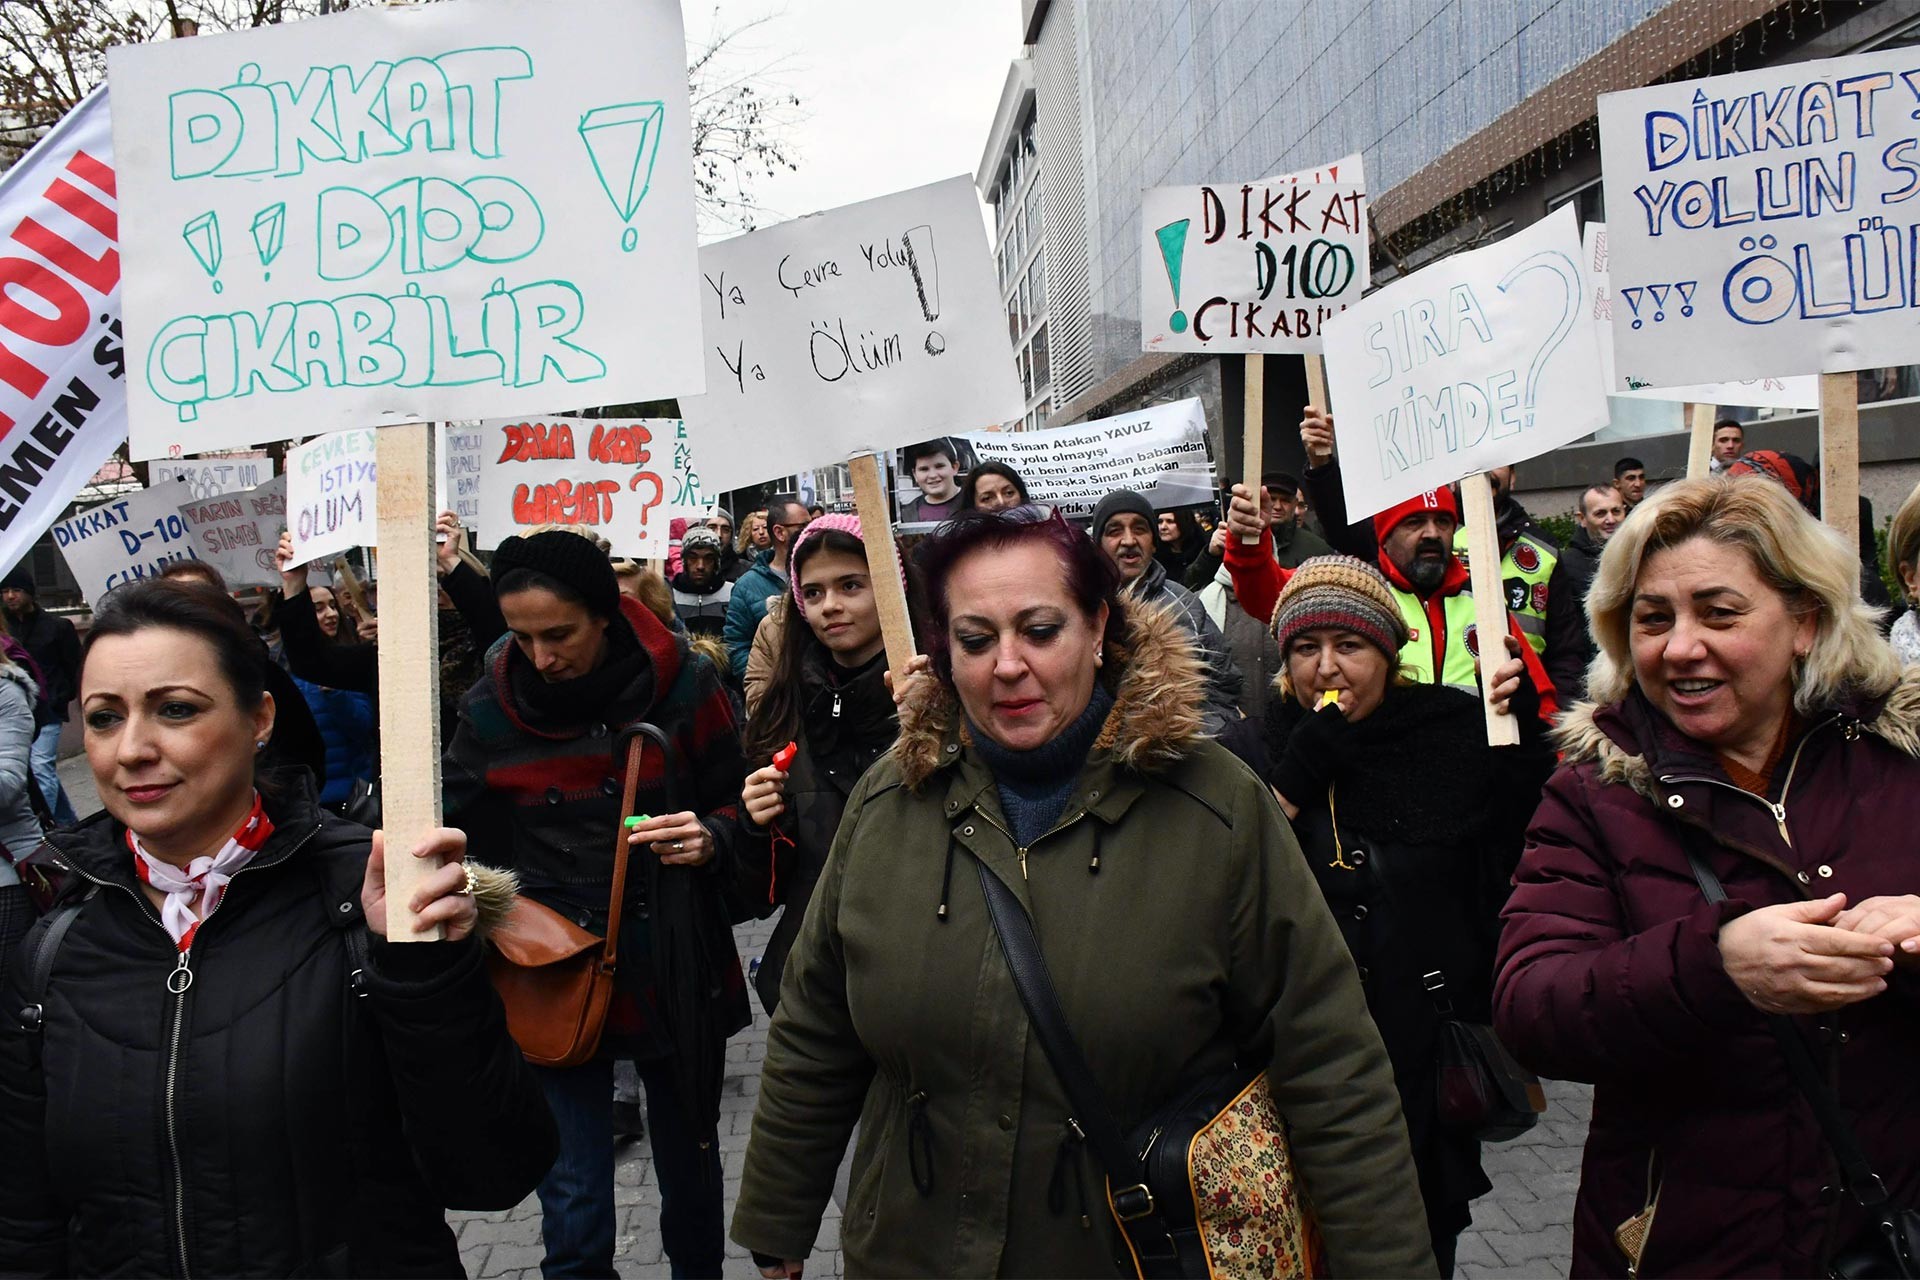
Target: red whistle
{"points": [[783, 758]]}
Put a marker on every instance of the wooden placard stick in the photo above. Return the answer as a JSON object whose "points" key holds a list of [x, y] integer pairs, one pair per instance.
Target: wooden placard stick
{"points": [[1840, 453], [1253, 448], [1700, 440], [350, 586], [883, 563], [409, 659], [1317, 382], [1489, 599]]}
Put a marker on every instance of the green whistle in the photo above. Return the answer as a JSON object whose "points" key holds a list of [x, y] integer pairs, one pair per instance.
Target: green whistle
{"points": [[636, 820]]}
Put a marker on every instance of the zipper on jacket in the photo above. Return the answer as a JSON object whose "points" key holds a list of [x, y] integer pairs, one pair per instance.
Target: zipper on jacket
{"points": [[836, 704], [1777, 809], [1022, 849]]}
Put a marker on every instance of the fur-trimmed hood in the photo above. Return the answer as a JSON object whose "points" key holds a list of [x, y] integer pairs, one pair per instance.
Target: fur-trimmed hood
{"points": [[1158, 687], [19, 675], [1620, 738]]}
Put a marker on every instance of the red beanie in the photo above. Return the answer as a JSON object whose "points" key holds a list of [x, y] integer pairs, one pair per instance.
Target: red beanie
{"points": [[1431, 500]]}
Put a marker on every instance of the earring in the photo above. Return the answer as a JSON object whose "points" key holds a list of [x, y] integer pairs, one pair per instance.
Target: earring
{"points": [[261, 745]]}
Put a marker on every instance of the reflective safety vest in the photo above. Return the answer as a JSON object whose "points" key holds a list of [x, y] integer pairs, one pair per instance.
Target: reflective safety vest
{"points": [[1457, 645], [1524, 571]]}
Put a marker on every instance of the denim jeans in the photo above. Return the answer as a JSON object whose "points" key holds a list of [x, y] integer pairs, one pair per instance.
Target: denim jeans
{"points": [[576, 1199], [46, 772]]}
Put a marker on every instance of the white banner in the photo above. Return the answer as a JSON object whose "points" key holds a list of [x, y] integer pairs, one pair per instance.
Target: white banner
{"points": [[1479, 360], [237, 533], [1160, 453], [332, 486], [404, 213], [1255, 266], [125, 540], [1756, 221], [856, 329], [63, 406], [209, 477], [457, 471], [1801, 392], [611, 476]]}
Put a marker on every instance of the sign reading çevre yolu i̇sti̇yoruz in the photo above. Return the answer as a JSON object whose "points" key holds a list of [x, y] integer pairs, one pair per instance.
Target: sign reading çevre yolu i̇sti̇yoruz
{"points": [[1252, 267], [1764, 223], [395, 214], [62, 407], [1480, 360], [332, 484], [237, 533], [856, 329], [132, 537], [621, 478]]}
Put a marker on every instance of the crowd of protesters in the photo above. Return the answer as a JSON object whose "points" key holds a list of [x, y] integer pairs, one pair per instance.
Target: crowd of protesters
{"points": [[1232, 763]]}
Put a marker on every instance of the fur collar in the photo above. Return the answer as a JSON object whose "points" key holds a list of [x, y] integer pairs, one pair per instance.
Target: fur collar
{"points": [[1592, 734], [1158, 687]]}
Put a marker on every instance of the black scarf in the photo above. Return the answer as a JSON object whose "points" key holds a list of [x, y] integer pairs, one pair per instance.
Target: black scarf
{"points": [[1421, 772], [623, 678]]}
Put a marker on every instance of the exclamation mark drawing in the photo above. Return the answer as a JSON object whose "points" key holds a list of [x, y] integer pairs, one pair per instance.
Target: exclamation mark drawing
{"points": [[1173, 248], [925, 268]]}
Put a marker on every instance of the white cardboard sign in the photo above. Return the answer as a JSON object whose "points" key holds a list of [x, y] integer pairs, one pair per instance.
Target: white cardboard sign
{"points": [[457, 471], [237, 533], [403, 213], [209, 477], [856, 329], [1479, 360], [1759, 222], [63, 402], [614, 477], [1801, 392], [332, 486], [132, 537], [1253, 266]]}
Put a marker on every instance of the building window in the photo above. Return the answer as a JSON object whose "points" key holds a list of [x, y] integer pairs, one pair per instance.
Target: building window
{"points": [[1037, 284], [1042, 370]]}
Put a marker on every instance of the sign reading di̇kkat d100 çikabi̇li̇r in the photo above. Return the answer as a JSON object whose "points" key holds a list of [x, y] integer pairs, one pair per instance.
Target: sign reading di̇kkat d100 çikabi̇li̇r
{"points": [[1480, 360], [1252, 266], [1765, 223], [437, 211]]}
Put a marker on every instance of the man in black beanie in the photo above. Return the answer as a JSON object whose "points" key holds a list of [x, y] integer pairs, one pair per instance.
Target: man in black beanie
{"points": [[53, 643]]}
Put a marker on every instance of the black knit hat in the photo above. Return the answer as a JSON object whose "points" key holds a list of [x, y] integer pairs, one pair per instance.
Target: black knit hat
{"points": [[567, 558], [1120, 502], [20, 576]]}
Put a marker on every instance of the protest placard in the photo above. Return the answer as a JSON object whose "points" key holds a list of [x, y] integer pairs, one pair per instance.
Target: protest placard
{"points": [[613, 477], [331, 485], [63, 407], [1252, 266], [237, 533], [1160, 453], [132, 537], [214, 474], [852, 330], [457, 476], [1800, 392], [1754, 223], [1479, 360], [406, 213]]}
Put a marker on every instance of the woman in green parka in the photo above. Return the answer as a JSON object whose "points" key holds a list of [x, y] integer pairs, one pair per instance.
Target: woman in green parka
{"points": [[1057, 742]]}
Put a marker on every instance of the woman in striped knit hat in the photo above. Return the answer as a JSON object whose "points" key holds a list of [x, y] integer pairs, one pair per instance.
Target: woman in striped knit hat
{"points": [[1412, 826]]}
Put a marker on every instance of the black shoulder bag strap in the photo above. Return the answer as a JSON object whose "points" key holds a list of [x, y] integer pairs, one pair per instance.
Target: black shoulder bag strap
{"points": [[1133, 1202], [1861, 1182], [40, 947]]}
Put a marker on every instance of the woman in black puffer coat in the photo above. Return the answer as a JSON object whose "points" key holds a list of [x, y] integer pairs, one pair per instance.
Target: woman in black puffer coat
{"points": [[1412, 825], [828, 697], [212, 1061]]}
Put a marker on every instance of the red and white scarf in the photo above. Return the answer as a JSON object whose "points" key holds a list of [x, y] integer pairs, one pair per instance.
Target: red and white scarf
{"points": [[194, 892]]}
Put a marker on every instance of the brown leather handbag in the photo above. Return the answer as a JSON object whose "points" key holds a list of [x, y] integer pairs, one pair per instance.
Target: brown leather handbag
{"points": [[554, 977]]}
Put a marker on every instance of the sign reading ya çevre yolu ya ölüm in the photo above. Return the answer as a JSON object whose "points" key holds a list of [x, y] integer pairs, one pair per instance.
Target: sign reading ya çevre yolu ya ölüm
{"points": [[63, 407], [857, 329], [332, 489], [624, 479], [1255, 266], [134, 536], [393, 214], [1477, 361], [1764, 223]]}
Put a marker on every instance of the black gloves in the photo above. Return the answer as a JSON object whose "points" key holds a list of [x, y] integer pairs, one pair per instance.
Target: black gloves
{"points": [[1315, 753]]}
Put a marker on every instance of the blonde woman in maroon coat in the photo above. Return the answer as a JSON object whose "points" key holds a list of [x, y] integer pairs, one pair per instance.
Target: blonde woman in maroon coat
{"points": [[1747, 711]]}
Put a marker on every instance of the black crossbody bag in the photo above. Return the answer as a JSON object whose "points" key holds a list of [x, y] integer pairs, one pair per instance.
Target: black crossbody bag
{"points": [[1889, 1248]]}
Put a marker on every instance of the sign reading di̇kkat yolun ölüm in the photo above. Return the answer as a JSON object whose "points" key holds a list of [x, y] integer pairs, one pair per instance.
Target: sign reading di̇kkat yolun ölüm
{"points": [[1480, 360], [860, 328], [1765, 223], [1252, 266], [391, 214]]}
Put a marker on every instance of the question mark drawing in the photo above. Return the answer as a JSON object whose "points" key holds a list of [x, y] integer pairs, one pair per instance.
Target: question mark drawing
{"points": [[659, 492], [1557, 264]]}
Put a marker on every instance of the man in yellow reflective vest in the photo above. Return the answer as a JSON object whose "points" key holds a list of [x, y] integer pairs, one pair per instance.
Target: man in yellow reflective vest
{"points": [[1541, 596]]}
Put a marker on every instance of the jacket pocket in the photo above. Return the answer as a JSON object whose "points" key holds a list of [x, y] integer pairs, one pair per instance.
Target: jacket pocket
{"points": [[891, 1122]]}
